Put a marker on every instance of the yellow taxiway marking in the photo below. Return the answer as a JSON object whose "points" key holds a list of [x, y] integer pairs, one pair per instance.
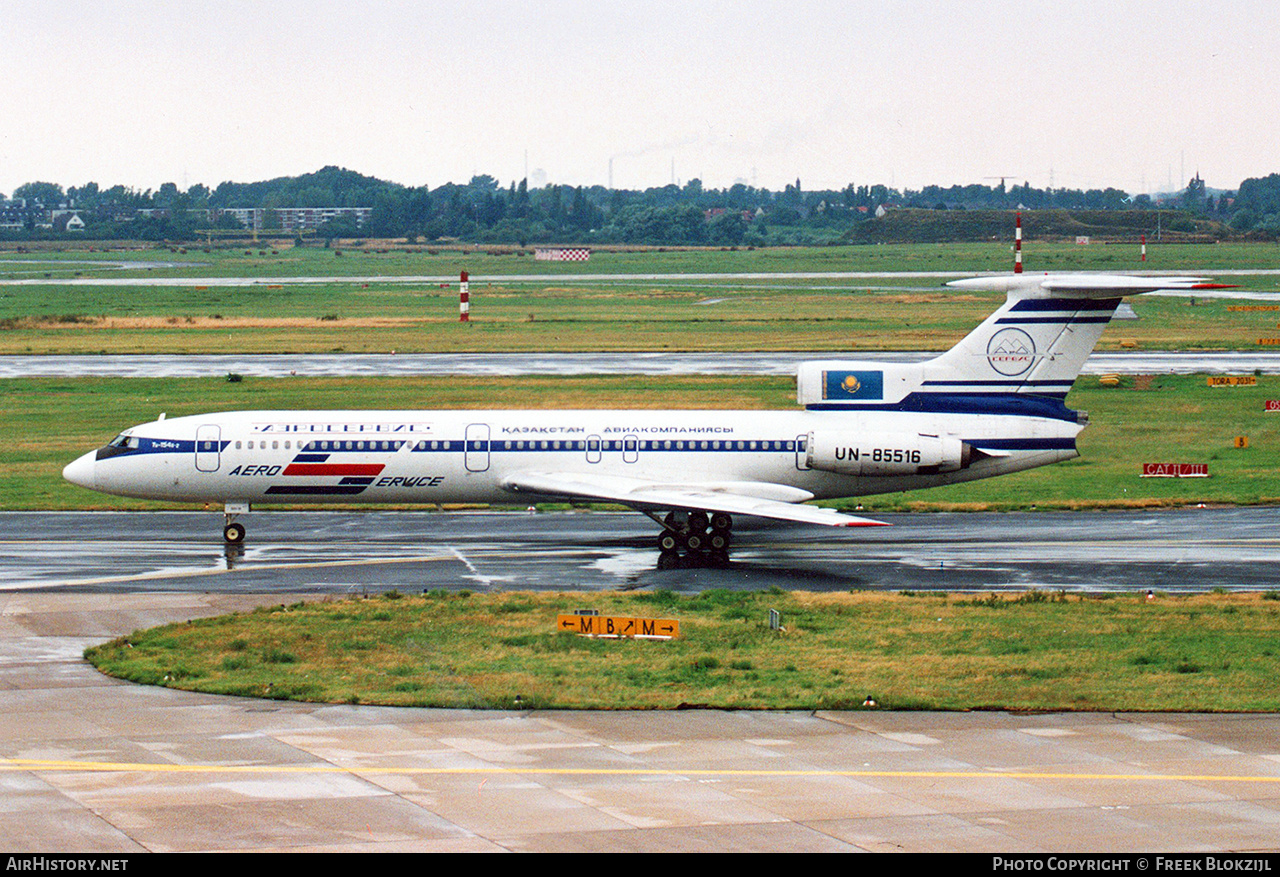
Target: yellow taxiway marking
{"points": [[51, 766]]}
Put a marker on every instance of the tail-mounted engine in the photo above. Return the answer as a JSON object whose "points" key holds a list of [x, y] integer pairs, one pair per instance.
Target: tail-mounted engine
{"points": [[887, 453]]}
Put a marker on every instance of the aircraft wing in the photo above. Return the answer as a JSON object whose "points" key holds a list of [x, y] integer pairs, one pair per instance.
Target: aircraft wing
{"points": [[761, 499]]}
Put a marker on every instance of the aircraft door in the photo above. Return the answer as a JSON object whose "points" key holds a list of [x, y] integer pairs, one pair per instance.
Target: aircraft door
{"points": [[593, 449], [630, 449], [476, 447], [208, 447], [802, 452]]}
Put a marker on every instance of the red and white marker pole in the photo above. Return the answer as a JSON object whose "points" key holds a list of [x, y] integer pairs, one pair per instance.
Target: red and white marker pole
{"points": [[464, 302], [1017, 246], [1144, 248]]}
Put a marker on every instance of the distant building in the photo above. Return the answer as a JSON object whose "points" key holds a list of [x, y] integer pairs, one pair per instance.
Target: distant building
{"points": [[249, 217], [295, 219], [16, 216], [305, 218], [67, 220], [199, 214]]}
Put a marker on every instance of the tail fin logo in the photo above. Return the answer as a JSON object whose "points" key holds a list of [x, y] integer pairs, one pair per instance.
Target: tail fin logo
{"points": [[1011, 352]]}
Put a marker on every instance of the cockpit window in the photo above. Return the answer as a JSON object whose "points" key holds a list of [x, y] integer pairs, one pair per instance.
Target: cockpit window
{"points": [[121, 444]]}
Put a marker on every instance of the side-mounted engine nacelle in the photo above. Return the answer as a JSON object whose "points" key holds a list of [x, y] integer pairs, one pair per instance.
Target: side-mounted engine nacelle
{"points": [[886, 453]]}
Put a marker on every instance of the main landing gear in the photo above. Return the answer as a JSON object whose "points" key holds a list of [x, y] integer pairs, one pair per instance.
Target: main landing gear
{"points": [[694, 539]]}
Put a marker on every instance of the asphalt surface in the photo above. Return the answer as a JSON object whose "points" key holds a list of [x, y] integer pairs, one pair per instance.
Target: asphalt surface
{"points": [[683, 278], [497, 364], [1172, 551], [96, 765]]}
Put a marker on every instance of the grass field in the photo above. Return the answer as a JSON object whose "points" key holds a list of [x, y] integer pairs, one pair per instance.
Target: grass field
{"points": [[1041, 651], [1171, 419], [334, 320], [930, 651], [341, 315], [282, 259]]}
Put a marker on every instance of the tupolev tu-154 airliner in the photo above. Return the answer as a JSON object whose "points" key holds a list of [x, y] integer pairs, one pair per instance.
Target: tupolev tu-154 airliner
{"points": [[992, 405]]}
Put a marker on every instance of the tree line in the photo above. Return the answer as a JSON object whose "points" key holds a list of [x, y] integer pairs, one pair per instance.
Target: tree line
{"points": [[485, 211]]}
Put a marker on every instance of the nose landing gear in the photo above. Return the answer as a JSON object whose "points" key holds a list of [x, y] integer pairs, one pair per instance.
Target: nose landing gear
{"points": [[232, 532], [694, 539]]}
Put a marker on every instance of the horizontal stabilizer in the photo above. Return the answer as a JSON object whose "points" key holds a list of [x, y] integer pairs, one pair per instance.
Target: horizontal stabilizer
{"points": [[1083, 285], [764, 500]]}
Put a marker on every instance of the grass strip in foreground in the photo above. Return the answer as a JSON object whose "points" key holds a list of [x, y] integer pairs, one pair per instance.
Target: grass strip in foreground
{"points": [[1037, 651]]}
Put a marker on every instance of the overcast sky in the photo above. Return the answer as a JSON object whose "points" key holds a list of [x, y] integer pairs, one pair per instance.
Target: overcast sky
{"points": [[1136, 94]]}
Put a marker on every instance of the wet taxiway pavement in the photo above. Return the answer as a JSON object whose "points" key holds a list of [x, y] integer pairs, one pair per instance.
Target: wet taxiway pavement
{"points": [[1174, 550], [92, 764]]}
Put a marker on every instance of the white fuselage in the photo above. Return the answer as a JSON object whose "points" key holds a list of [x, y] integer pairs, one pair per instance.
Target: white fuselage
{"points": [[467, 456], [994, 403]]}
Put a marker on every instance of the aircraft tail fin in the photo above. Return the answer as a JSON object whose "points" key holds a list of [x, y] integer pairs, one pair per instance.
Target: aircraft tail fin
{"points": [[1034, 345], [1038, 341]]}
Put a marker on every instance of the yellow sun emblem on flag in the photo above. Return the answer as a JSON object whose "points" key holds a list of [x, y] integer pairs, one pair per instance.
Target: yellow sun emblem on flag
{"points": [[850, 385]]}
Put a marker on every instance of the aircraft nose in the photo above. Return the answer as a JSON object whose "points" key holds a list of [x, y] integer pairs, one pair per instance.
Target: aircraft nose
{"points": [[81, 471]]}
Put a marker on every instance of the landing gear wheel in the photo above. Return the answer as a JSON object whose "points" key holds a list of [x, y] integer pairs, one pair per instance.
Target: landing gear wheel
{"points": [[694, 539], [668, 540], [233, 533]]}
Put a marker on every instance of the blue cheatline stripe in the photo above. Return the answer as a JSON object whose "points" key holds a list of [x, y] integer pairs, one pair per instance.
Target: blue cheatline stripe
{"points": [[156, 446], [1010, 382], [500, 446], [337, 447], [310, 458], [1024, 444], [1047, 405], [166, 446], [425, 447], [313, 490], [1062, 320], [1066, 304]]}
